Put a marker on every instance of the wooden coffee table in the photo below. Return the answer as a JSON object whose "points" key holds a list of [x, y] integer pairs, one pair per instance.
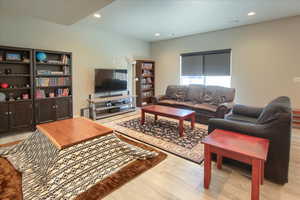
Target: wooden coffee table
{"points": [[244, 148], [170, 112], [68, 132]]}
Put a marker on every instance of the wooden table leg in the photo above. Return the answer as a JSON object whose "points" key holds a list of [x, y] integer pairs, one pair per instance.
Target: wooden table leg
{"points": [[193, 119], [143, 118], [155, 117], [219, 161], [256, 179], [207, 166], [181, 128], [262, 172]]}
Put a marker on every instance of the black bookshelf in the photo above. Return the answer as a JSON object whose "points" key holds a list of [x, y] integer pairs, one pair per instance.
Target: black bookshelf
{"points": [[53, 86], [16, 72]]}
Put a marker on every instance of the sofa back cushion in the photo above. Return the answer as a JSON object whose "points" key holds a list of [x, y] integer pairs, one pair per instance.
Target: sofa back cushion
{"points": [[273, 110], [196, 93], [177, 92], [216, 95]]}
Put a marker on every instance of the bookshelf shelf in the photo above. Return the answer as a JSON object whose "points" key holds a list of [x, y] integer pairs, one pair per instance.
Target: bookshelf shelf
{"points": [[12, 89], [53, 76], [15, 62], [15, 75], [53, 64]]}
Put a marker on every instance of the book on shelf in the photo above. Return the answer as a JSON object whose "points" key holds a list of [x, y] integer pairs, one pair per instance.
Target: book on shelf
{"points": [[61, 92], [45, 82], [65, 59]]}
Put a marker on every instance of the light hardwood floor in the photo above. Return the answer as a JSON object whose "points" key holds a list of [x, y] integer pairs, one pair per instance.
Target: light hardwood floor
{"points": [[178, 179]]}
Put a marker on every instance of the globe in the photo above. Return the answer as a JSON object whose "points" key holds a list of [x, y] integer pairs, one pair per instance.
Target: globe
{"points": [[40, 56]]}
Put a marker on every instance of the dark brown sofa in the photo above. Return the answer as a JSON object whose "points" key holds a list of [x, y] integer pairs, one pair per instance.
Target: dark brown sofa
{"points": [[207, 101], [273, 123]]}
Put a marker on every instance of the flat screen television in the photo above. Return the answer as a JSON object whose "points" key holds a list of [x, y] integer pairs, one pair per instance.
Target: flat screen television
{"points": [[110, 80]]}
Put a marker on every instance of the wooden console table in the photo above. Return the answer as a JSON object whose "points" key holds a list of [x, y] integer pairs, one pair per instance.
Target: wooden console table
{"points": [[244, 148]]}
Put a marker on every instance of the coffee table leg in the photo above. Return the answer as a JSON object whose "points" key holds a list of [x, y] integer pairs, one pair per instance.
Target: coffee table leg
{"points": [[143, 118], [181, 128], [193, 121], [256, 179], [207, 166], [262, 172], [219, 161], [155, 117]]}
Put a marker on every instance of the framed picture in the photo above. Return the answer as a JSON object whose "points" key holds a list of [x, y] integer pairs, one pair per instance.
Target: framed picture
{"points": [[13, 56]]}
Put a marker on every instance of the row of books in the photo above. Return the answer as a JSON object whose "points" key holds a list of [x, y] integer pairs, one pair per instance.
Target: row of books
{"points": [[148, 66], [146, 81], [62, 92], [45, 82]]}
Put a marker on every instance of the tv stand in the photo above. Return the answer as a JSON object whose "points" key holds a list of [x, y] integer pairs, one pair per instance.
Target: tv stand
{"points": [[103, 107]]}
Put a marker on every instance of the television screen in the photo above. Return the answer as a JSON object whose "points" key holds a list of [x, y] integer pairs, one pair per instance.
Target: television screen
{"points": [[110, 80]]}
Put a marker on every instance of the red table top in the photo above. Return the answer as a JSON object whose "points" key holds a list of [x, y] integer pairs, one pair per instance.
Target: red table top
{"points": [[166, 110], [253, 147]]}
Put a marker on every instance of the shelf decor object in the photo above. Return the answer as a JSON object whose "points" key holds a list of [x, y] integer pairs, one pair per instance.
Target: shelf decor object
{"points": [[145, 81]]}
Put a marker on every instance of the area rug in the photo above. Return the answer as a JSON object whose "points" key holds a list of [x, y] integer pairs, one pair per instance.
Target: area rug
{"points": [[163, 134], [10, 179]]}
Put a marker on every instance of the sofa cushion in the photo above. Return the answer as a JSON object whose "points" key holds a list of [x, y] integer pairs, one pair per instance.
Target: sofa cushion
{"points": [[217, 91], [175, 102], [205, 106], [190, 104], [196, 93], [177, 92], [274, 109]]}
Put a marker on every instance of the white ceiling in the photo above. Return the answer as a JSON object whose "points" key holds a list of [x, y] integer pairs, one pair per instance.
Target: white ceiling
{"points": [[143, 18], [65, 12]]}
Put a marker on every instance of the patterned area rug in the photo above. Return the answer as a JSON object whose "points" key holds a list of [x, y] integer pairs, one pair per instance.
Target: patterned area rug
{"points": [[10, 178], [164, 134]]}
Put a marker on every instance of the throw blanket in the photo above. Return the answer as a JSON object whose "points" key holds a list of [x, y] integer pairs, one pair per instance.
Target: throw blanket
{"points": [[50, 173]]}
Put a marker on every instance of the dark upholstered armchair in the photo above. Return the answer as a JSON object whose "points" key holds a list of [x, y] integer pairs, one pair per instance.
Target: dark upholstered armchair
{"points": [[272, 122]]}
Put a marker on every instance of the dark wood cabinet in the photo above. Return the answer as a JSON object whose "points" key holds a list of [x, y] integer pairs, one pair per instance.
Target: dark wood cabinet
{"points": [[63, 108], [45, 110], [21, 115], [48, 110], [16, 116], [4, 117]]}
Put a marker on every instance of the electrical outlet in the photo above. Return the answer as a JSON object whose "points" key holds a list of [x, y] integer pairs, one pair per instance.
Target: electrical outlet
{"points": [[296, 79]]}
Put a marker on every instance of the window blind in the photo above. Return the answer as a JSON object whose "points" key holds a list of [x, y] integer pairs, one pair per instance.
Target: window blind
{"points": [[209, 63], [192, 65]]}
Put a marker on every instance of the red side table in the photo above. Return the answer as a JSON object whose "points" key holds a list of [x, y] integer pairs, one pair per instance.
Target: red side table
{"points": [[244, 148]]}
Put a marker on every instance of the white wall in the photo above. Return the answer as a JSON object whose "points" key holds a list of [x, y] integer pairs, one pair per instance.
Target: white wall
{"points": [[265, 59], [91, 48]]}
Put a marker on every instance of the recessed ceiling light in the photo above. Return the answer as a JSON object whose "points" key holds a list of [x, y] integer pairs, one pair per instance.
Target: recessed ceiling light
{"points": [[96, 15], [157, 34], [251, 13]]}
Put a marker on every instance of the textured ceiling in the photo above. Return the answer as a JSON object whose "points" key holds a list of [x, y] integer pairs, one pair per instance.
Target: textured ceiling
{"points": [[58, 11], [174, 18]]}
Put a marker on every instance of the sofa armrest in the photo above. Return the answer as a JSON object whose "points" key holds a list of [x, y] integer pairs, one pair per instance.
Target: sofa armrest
{"points": [[156, 99], [249, 111], [223, 109], [258, 130]]}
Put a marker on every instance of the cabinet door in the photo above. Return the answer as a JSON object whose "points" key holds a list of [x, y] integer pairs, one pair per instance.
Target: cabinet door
{"points": [[63, 108], [21, 115], [45, 110], [4, 127]]}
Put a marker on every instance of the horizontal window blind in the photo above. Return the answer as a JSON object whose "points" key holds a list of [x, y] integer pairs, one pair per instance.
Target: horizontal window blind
{"points": [[209, 63]]}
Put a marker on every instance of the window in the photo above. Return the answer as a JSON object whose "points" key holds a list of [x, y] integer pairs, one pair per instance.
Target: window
{"points": [[208, 68]]}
